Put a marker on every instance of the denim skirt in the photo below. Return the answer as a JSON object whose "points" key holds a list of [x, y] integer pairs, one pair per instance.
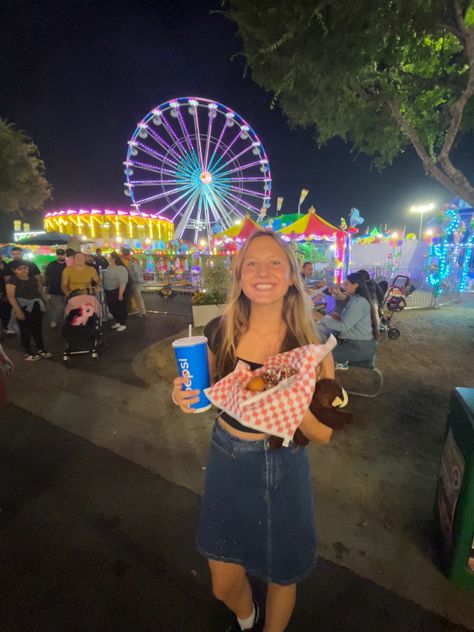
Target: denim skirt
{"points": [[257, 509]]}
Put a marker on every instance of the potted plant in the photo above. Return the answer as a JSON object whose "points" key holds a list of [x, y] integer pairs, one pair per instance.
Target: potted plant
{"points": [[209, 301]]}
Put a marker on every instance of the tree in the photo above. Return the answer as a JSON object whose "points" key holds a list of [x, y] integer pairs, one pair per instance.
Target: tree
{"points": [[23, 185], [381, 74]]}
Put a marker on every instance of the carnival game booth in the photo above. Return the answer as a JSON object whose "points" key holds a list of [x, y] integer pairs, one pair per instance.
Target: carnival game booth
{"points": [[112, 228]]}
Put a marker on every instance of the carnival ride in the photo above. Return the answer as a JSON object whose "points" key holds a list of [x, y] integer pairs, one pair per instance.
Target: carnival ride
{"points": [[111, 226], [200, 163]]}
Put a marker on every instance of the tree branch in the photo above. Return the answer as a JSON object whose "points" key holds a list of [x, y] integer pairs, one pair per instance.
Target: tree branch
{"points": [[457, 108], [449, 177]]}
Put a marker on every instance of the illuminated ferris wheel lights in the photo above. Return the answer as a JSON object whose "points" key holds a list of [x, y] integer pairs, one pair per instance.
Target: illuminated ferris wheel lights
{"points": [[199, 171]]}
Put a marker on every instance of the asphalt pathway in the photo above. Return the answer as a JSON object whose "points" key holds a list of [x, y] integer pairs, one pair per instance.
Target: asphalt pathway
{"points": [[90, 542], [119, 349]]}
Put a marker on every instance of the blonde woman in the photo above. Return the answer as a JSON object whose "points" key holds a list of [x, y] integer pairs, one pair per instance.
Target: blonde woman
{"points": [[257, 510]]}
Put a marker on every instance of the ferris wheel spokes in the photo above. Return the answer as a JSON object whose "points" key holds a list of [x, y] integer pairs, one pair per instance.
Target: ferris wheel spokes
{"points": [[220, 202], [186, 217], [161, 142], [194, 168], [225, 126], [197, 136], [226, 151]]}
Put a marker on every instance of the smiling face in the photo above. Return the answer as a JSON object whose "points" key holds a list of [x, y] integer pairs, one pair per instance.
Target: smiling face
{"points": [[265, 273]]}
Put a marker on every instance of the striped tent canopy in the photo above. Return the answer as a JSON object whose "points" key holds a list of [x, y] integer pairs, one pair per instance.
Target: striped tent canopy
{"points": [[239, 231], [310, 227]]}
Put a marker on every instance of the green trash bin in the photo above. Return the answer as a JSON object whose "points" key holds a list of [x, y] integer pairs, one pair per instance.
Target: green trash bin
{"points": [[454, 506]]}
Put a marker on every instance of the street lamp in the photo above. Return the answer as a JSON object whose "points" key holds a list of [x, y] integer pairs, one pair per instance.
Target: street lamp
{"points": [[423, 208]]}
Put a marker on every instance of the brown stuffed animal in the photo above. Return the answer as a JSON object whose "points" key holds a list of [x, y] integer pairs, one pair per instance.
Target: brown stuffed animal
{"points": [[328, 398]]}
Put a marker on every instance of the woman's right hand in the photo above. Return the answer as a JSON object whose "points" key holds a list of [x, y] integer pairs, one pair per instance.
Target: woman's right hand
{"points": [[20, 316], [183, 398]]}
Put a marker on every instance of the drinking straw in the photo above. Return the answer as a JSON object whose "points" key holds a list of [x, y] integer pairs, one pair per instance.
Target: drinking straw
{"points": [[190, 331]]}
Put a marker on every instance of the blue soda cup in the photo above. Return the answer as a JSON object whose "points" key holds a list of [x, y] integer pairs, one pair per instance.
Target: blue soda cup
{"points": [[191, 357]]}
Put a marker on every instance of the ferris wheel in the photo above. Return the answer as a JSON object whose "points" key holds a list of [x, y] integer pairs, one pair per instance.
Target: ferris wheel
{"points": [[198, 163]]}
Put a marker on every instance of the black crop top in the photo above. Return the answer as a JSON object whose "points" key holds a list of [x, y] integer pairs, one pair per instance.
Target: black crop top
{"points": [[213, 333]]}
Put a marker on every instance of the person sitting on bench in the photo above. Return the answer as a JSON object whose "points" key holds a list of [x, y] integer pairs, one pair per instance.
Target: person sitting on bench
{"points": [[356, 326]]}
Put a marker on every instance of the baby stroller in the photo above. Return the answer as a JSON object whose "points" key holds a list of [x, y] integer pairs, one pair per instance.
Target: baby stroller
{"points": [[394, 301], [82, 326]]}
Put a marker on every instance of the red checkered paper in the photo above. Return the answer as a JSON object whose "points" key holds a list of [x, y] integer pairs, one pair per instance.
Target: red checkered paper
{"points": [[279, 410]]}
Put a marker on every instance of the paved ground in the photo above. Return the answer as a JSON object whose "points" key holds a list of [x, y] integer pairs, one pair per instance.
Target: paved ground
{"points": [[374, 484], [91, 542]]}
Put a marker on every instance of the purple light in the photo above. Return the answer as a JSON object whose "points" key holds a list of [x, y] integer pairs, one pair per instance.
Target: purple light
{"points": [[171, 132], [165, 145], [155, 154], [242, 167], [224, 127], [106, 213], [233, 159], [198, 136], [248, 191]]}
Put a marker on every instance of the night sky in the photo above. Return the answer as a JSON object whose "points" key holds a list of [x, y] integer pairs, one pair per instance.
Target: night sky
{"points": [[78, 76]]}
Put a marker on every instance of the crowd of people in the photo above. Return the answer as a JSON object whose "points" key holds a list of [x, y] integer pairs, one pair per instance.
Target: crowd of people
{"points": [[26, 294]]}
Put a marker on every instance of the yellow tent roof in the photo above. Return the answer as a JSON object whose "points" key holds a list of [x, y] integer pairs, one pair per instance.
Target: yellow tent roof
{"points": [[310, 224]]}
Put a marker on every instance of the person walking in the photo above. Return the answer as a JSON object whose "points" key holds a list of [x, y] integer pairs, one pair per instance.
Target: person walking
{"points": [[257, 510], [79, 277], [115, 287], [52, 280], [25, 296], [136, 280]]}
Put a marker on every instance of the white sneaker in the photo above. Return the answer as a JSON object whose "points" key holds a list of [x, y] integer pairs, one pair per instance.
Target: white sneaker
{"points": [[10, 332], [121, 328], [29, 357], [116, 326], [53, 324]]}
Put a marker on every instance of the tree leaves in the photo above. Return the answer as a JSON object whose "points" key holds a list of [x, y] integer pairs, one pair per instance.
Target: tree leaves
{"points": [[23, 185], [343, 67]]}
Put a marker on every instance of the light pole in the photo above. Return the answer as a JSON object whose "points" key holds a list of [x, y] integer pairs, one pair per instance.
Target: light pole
{"points": [[423, 208]]}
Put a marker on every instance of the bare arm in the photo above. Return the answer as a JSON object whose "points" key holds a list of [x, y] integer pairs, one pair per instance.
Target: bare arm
{"points": [[11, 291], [311, 427]]}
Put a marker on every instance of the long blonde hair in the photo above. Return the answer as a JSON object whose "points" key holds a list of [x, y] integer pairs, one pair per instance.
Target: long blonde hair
{"points": [[296, 311]]}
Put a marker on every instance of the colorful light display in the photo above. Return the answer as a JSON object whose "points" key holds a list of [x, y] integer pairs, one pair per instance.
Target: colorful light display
{"points": [[450, 255], [111, 225], [200, 163]]}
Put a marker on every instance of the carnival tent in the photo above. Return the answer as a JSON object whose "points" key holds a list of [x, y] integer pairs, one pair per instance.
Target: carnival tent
{"points": [[310, 227], [239, 231]]}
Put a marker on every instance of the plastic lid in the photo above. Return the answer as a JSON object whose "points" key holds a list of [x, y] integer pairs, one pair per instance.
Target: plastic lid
{"points": [[190, 341]]}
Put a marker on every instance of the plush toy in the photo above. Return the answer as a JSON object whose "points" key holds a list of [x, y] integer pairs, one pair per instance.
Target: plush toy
{"points": [[327, 400], [87, 310]]}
